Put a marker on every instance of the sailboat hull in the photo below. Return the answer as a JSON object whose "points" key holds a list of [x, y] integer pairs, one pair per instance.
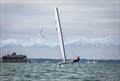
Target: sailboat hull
{"points": [[66, 62]]}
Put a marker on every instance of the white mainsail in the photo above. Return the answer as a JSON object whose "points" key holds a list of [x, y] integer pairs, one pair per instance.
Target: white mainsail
{"points": [[59, 30]]}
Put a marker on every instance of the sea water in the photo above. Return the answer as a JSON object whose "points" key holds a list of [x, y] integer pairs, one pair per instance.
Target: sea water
{"points": [[52, 72]]}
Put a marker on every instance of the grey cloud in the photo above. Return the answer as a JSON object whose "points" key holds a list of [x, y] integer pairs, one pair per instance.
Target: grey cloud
{"points": [[93, 21], [50, 43]]}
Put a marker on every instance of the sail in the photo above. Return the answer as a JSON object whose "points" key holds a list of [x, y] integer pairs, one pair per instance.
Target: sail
{"points": [[59, 30]]}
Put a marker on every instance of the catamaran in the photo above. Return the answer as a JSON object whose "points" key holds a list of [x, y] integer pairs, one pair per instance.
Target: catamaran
{"points": [[61, 41]]}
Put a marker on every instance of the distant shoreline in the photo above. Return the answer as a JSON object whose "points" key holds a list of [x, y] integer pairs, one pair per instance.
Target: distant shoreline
{"points": [[87, 61], [49, 60]]}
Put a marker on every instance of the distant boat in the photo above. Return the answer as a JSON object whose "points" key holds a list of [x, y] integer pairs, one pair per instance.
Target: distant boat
{"points": [[88, 62], [13, 58], [94, 62]]}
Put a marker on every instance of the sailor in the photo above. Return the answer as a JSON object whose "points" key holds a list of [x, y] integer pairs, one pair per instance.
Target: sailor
{"points": [[77, 59]]}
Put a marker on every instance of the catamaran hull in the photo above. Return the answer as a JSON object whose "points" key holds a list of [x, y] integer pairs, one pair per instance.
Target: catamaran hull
{"points": [[66, 62]]}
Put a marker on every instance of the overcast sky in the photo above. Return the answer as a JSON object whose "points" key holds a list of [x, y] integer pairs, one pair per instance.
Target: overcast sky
{"points": [[91, 28]]}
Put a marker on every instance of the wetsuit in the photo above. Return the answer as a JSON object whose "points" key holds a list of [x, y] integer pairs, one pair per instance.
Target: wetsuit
{"points": [[76, 60]]}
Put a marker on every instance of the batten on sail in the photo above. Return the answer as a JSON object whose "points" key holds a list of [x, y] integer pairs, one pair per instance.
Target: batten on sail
{"points": [[59, 30]]}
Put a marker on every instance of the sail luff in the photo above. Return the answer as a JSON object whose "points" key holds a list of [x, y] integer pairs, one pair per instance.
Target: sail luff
{"points": [[59, 29]]}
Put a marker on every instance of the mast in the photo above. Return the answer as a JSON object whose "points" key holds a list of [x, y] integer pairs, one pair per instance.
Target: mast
{"points": [[59, 29]]}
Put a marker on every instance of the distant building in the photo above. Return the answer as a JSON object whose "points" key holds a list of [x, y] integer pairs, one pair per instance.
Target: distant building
{"points": [[14, 58]]}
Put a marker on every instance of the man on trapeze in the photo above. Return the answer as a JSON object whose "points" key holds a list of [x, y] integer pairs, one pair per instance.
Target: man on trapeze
{"points": [[77, 59]]}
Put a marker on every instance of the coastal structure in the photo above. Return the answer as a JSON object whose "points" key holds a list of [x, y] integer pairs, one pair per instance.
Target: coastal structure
{"points": [[13, 58]]}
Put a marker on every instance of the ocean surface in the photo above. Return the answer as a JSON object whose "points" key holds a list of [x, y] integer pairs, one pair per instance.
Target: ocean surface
{"points": [[52, 72]]}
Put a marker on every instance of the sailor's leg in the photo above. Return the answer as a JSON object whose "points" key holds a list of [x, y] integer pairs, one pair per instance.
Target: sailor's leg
{"points": [[60, 64], [73, 62]]}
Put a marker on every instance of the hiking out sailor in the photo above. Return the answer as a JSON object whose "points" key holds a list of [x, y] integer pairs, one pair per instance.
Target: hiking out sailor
{"points": [[77, 59]]}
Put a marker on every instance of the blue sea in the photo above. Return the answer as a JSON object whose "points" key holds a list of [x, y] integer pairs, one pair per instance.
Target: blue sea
{"points": [[52, 72]]}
